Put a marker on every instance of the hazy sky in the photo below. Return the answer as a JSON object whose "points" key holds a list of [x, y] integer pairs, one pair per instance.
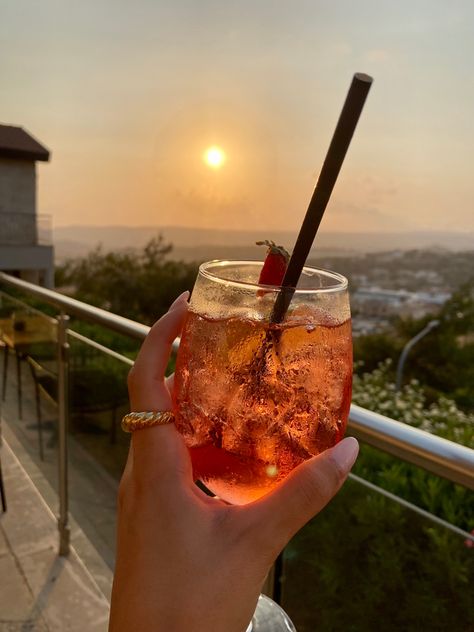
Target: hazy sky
{"points": [[128, 95]]}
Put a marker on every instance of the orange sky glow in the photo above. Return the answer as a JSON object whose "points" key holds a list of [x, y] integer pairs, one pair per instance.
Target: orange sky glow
{"points": [[129, 105]]}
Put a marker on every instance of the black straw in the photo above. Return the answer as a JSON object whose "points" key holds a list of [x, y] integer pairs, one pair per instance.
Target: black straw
{"points": [[340, 142]]}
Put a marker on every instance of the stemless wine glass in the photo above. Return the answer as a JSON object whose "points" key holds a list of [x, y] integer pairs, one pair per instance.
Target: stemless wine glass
{"points": [[254, 398]]}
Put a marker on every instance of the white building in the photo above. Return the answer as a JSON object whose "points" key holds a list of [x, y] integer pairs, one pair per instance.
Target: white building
{"points": [[25, 237]]}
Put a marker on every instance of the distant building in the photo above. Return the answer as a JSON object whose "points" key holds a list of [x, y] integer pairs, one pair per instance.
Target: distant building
{"points": [[374, 302], [25, 237]]}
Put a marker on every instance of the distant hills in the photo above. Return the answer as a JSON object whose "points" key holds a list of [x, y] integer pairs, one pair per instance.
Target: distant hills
{"points": [[199, 244]]}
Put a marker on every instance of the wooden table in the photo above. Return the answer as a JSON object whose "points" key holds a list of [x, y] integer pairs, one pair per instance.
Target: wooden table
{"points": [[20, 333]]}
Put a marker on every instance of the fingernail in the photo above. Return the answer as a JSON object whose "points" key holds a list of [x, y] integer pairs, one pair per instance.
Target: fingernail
{"points": [[182, 298], [345, 453]]}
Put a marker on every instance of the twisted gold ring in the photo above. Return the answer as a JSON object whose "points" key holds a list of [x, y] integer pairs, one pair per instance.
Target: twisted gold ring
{"points": [[138, 421]]}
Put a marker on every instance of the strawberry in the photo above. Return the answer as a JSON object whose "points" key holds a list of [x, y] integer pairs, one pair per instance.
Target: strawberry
{"points": [[274, 267]]}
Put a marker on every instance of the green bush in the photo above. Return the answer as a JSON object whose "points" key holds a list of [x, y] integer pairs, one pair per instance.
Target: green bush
{"points": [[139, 285], [367, 563], [376, 392]]}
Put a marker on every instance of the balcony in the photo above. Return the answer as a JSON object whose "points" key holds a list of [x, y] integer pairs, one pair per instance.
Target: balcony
{"points": [[372, 560], [25, 229]]}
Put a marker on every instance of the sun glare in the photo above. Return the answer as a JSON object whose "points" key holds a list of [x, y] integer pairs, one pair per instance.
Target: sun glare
{"points": [[214, 157]]}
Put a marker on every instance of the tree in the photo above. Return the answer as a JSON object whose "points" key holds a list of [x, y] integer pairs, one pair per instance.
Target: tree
{"points": [[136, 284]]}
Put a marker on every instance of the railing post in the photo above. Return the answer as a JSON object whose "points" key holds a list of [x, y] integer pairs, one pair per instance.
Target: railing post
{"points": [[63, 399], [406, 350]]}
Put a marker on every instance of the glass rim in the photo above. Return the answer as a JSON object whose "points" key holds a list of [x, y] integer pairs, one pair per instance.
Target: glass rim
{"points": [[340, 282]]}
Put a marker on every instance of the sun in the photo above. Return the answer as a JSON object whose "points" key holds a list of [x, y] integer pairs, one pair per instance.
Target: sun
{"points": [[214, 157]]}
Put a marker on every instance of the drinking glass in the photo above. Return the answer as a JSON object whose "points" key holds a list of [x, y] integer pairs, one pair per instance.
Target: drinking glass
{"points": [[254, 398]]}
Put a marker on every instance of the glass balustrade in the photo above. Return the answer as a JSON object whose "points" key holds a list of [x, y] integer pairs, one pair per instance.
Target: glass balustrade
{"points": [[29, 383], [97, 446]]}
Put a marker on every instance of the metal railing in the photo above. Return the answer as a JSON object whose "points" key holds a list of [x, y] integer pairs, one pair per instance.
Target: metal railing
{"points": [[445, 458], [44, 226], [25, 229], [81, 310], [430, 452]]}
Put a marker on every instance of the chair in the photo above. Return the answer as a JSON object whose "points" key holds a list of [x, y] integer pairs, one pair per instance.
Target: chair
{"points": [[2, 489], [26, 334], [46, 384], [94, 389], [4, 348], [91, 390], [2, 485], [19, 358]]}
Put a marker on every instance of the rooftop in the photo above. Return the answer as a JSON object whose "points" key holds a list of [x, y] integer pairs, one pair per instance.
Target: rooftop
{"points": [[17, 143]]}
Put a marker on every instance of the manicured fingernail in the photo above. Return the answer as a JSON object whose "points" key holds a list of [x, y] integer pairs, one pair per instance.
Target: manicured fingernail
{"points": [[345, 453], [182, 298]]}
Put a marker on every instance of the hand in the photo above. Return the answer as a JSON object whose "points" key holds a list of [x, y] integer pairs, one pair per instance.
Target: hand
{"points": [[187, 562]]}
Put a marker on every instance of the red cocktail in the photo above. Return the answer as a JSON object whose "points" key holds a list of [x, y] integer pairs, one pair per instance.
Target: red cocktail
{"points": [[254, 399]]}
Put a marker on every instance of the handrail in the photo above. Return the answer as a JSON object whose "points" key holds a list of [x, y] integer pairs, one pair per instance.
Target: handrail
{"points": [[411, 507], [435, 454], [26, 229], [25, 306], [74, 307], [99, 347]]}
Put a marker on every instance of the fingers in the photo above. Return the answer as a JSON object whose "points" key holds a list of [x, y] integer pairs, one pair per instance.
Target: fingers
{"points": [[146, 379], [156, 347], [160, 460], [159, 457], [303, 494]]}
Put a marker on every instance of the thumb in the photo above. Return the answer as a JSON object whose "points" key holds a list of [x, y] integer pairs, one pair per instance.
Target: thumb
{"points": [[303, 493]]}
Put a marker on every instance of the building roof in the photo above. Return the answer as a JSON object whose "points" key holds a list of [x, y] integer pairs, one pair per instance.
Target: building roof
{"points": [[17, 143]]}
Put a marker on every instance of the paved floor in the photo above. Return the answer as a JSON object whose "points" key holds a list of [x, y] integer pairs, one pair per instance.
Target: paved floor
{"points": [[41, 591], [94, 464]]}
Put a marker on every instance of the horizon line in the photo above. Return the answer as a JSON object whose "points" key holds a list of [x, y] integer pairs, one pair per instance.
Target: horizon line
{"points": [[278, 230]]}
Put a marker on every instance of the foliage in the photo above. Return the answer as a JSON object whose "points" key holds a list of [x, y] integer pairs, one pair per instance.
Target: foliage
{"points": [[367, 563], [371, 349], [442, 361], [136, 284], [13, 300], [376, 392], [112, 340]]}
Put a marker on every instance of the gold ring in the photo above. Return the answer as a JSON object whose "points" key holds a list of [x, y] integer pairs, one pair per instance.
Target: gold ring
{"points": [[138, 421]]}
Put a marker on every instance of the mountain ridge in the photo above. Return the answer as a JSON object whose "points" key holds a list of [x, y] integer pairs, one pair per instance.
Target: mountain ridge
{"points": [[199, 243]]}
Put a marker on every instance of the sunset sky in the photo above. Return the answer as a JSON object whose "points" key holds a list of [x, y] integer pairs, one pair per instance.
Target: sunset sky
{"points": [[130, 95]]}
